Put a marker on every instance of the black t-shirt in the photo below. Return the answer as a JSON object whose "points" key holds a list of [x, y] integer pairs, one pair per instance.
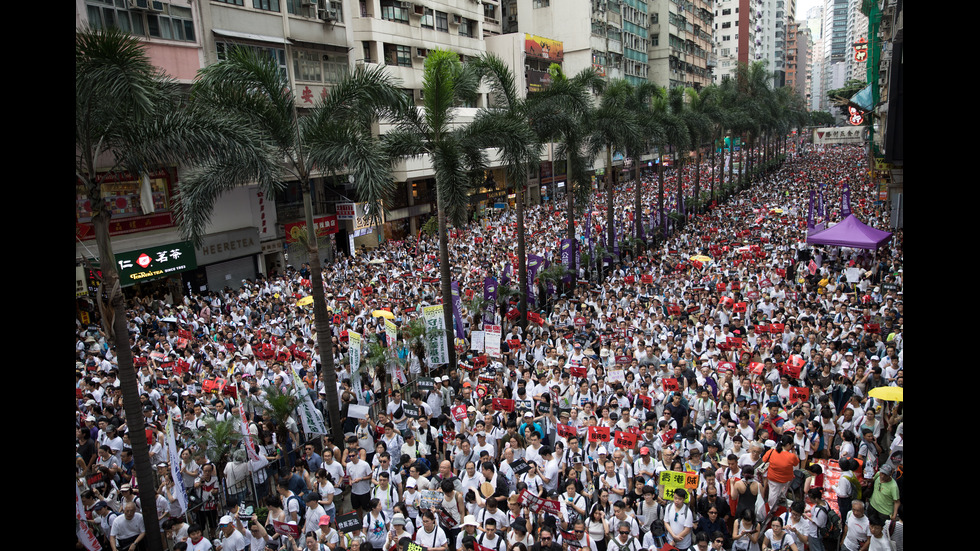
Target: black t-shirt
{"points": [[87, 450]]}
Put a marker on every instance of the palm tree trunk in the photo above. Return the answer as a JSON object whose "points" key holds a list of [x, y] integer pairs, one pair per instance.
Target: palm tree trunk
{"points": [[731, 159], [679, 178], [610, 185], [697, 177], [660, 189], [522, 253], [446, 286], [119, 331], [637, 198], [324, 333], [570, 213]]}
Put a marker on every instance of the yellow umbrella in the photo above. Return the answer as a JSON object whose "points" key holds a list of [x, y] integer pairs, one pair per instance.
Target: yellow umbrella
{"points": [[305, 301], [889, 393], [382, 314], [701, 258]]}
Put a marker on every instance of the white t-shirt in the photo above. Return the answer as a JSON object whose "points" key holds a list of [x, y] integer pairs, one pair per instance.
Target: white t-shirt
{"points": [[858, 530], [679, 519], [779, 544]]}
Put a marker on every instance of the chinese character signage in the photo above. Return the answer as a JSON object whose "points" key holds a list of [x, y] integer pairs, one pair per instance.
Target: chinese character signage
{"points": [[324, 225], [435, 335], [861, 50], [155, 262]]}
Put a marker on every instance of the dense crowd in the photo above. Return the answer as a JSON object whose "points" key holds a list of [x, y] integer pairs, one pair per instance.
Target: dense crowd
{"points": [[708, 390]]}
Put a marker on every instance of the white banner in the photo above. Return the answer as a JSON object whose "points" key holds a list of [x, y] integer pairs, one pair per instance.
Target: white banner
{"points": [[249, 446], [435, 335], [354, 351], [391, 333], [310, 417], [476, 338], [491, 340], [84, 532], [175, 465]]}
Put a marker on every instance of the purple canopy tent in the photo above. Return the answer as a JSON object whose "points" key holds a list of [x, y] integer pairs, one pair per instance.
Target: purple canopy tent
{"points": [[850, 232]]}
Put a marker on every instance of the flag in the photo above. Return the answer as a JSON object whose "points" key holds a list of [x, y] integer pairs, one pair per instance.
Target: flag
{"points": [[178, 478], [457, 318], [84, 530], [310, 418], [246, 437]]}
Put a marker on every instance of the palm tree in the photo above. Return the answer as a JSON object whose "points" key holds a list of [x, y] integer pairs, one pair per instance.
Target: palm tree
{"points": [[559, 113], [217, 440], [127, 111], [701, 110], [506, 126], [667, 106], [335, 136], [614, 126], [456, 153]]}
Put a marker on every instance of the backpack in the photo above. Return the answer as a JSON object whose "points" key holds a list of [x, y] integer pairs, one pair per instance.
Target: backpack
{"points": [[301, 515], [856, 490], [832, 528]]}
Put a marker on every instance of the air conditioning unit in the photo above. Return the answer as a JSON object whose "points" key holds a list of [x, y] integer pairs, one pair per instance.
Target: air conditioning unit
{"points": [[156, 5], [421, 52], [405, 5], [418, 9], [139, 4], [457, 19], [308, 3], [328, 14]]}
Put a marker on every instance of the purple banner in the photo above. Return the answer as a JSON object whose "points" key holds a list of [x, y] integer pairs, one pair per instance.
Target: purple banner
{"points": [[568, 249], [505, 274], [615, 237], [845, 199], [809, 213], [457, 318], [820, 212], [490, 296], [534, 264]]}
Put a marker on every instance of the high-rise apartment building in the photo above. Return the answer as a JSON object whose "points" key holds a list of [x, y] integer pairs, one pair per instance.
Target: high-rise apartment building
{"points": [[734, 35], [681, 42]]}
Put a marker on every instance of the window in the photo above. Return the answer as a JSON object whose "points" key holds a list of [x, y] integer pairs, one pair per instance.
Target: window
{"points": [[442, 21], [314, 66], [391, 10], [655, 40], [726, 37], [396, 54], [541, 3], [233, 2], [428, 19], [172, 23], [467, 27], [726, 25], [268, 5], [727, 11]]}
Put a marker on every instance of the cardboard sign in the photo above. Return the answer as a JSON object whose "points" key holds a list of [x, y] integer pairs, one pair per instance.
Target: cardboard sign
{"points": [[502, 404], [544, 408], [599, 434], [348, 522], [645, 401], [520, 467], [625, 440], [740, 307], [668, 436], [293, 530], [615, 376], [448, 436], [670, 384], [726, 366], [672, 480], [185, 334], [410, 411], [778, 327], [426, 383], [734, 342], [673, 310], [757, 368], [799, 394], [579, 372], [430, 499], [537, 504], [459, 412], [213, 385]]}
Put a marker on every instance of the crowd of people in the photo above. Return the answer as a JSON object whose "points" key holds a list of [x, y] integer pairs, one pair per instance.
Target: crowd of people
{"points": [[707, 389]]}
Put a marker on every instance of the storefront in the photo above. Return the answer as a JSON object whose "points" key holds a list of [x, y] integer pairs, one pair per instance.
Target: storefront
{"points": [[226, 259]]}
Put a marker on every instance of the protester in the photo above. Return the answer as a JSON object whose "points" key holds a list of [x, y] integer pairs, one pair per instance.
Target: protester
{"points": [[645, 395]]}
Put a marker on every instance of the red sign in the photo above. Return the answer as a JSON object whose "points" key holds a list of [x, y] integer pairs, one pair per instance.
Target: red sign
{"points": [[625, 440], [599, 434], [502, 404], [646, 401], [566, 431], [671, 384], [757, 368], [459, 412], [323, 225], [798, 394]]}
